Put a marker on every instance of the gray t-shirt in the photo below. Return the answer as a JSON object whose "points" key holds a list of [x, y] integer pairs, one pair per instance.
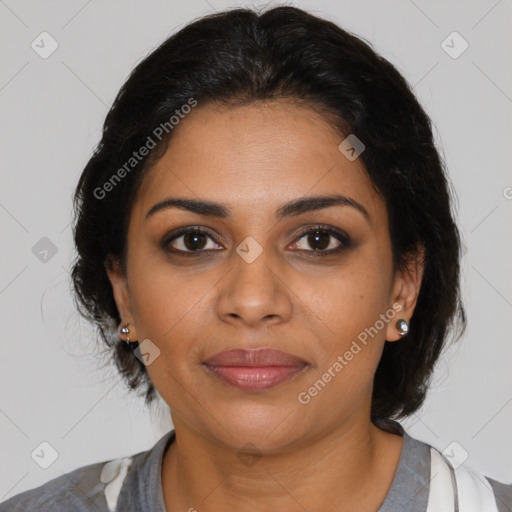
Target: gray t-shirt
{"points": [[135, 484]]}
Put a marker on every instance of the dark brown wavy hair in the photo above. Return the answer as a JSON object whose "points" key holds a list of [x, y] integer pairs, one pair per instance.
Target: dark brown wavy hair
{"points": [[239, 56]]}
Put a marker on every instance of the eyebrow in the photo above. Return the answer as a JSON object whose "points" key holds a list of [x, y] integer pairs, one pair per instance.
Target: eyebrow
{"points": [[291, 208]]}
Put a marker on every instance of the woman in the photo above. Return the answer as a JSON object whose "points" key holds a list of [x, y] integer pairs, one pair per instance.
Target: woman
{"points": [[265, 239]]}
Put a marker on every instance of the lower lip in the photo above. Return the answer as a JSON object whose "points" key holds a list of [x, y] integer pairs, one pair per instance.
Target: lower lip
{"points": [[254, 378]]}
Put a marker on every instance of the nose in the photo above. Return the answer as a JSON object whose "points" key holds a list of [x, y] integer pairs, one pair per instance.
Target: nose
{"points": [[254, 293]]}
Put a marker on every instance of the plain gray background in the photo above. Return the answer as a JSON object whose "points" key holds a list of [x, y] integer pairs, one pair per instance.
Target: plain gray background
{"points": [[52, 111]]}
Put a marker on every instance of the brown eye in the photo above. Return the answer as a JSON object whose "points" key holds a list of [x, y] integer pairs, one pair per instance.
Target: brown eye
{"points": [[319, 240], [191, 240], [322, 241]]}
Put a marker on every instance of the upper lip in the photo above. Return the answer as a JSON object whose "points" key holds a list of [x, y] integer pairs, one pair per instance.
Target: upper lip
{"points": [[254, 357]]}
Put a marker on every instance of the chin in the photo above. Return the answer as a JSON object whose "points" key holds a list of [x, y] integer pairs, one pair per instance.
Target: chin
{"points": [[270, 429]]}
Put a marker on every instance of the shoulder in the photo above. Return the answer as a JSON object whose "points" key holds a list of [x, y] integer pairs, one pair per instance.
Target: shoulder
{"points": [[94, 487], [472, 489], [426, 462], [77, 490], [502, 494]]}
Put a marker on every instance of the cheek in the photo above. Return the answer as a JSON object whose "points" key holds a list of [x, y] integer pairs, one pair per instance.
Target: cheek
{"points": [[350, 345], [347, 308], [160, 292], [171, 307], [348, 298]]}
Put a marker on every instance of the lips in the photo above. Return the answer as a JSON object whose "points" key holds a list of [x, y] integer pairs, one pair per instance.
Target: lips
{"points": [[256, 369], [254, 357]]}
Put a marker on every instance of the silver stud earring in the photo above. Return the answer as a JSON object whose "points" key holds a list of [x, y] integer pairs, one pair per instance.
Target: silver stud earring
{"points": [[125, 330], [402, 326]]}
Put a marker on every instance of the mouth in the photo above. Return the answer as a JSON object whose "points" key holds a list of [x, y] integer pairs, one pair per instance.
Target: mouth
{"points": [[256, 369]]}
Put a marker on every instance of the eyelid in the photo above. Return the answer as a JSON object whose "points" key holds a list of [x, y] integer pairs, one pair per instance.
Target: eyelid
{"points": [[332, 231], [170, 237]]}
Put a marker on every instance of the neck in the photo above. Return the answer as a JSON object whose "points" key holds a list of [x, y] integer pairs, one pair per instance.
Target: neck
{"points": [[349, 468]]}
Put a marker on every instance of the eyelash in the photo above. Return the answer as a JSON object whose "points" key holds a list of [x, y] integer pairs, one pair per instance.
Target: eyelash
{"points": [[338, 234]]}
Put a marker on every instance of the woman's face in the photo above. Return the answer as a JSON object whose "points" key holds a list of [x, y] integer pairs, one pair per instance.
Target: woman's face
{"points": [[255, 280]]}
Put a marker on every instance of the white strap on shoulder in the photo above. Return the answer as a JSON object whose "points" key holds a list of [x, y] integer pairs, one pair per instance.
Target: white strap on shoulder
{"points": [[441, 496], [113, 474], [459, 490], [475, 492]]}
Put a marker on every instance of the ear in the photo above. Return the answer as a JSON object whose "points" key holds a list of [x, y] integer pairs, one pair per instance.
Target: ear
{"points": [[121, 293], [406, 289]]}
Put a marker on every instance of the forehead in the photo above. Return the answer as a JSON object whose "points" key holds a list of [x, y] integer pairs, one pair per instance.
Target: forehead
{"points": [[256, 157]]}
